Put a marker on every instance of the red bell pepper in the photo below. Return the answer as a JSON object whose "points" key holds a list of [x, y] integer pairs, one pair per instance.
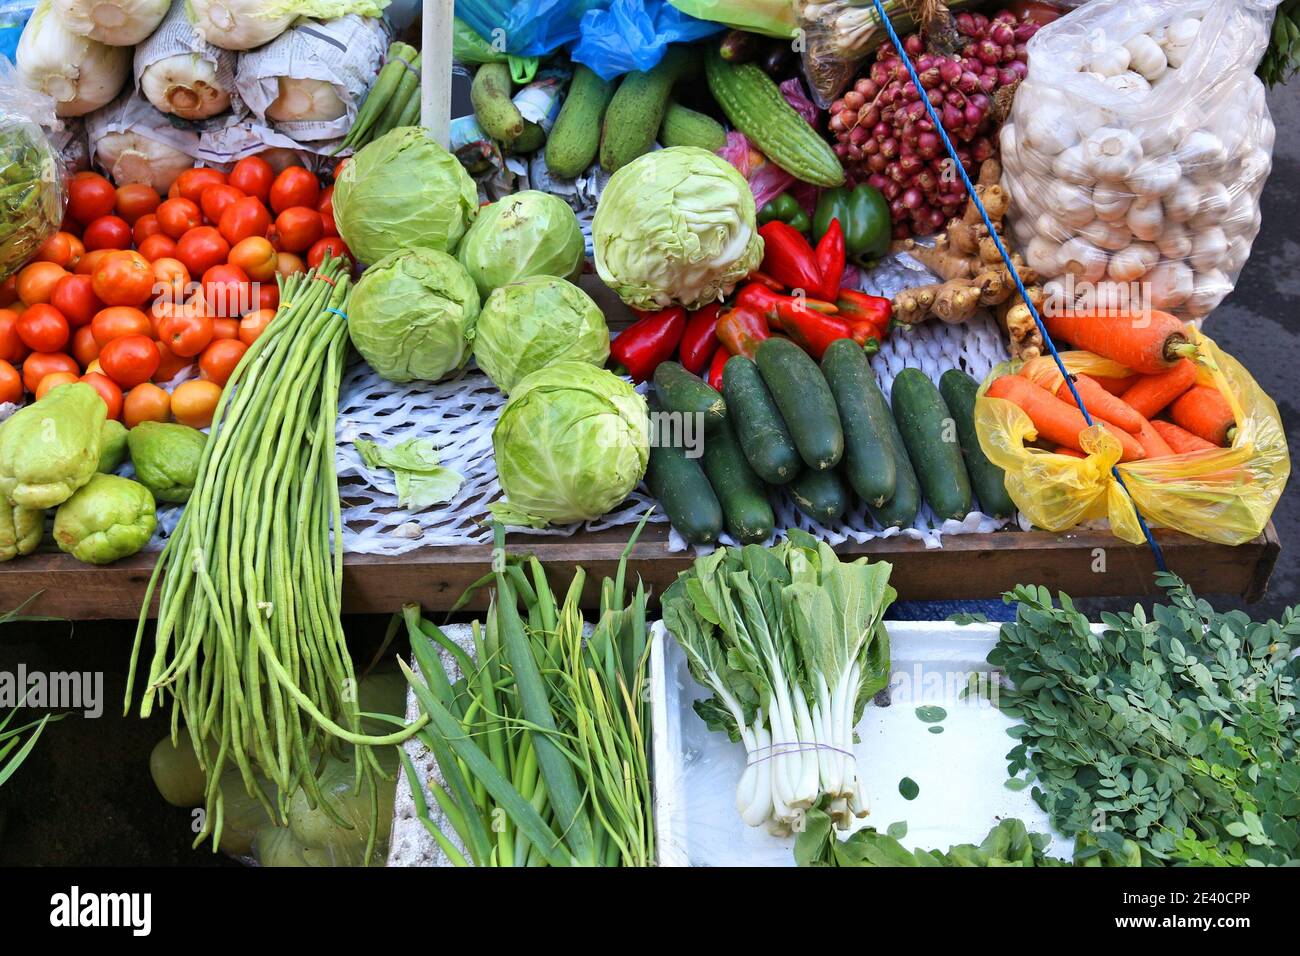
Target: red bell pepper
{"points": [[716, 366], [774, 306], [815, 331], [700, 338], [740, 331], [857, 306], [767, 280], [788, 258], [830, 261], [650, 340]]}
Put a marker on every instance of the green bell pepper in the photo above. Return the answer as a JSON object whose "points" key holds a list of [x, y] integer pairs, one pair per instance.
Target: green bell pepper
{"points": [[863, 213], [785, 208]]}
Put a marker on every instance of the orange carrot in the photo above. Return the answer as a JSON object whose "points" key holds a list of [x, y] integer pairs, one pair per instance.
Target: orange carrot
{"points": [[1144, 344], [1180, 439], [1116, 386], [1101, 403], [1205, 413], [1053, 418], [1152, 394], [1153, 443], [1068, 452]]}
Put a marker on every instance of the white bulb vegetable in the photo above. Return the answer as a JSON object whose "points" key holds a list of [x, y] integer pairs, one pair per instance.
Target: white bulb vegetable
{"points": [[115, 22], [78, 73]]}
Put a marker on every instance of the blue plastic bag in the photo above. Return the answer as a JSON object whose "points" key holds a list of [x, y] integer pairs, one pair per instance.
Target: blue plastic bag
{"points": [[633, 35], [14, 15], [527, 27]]}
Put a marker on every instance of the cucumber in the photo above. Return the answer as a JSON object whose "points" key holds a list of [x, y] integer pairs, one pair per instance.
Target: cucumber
{"points": [[686, 394], [490, 96], [868, 462], [758, 423], [685, 127], [636, 110], [930, 436], [682, 488], [805, 401], [988, 481], [743, 496], [575, 137], [900, 510], [821, 495]]}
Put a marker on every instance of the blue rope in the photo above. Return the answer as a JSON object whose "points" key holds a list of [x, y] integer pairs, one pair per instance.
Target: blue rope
{"points": [[1006, 258]]}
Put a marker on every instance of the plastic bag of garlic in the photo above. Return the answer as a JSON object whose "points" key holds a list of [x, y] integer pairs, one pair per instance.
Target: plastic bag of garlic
{"points": [[1136, 151]]}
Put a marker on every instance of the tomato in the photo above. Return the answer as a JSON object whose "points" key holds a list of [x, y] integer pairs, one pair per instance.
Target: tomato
{"points": [[11, 383], [43, 328], [146, 403], [216, 198], [254, 324], [244, 218], [60, 248], [75, 297], [201, 249], [191, 183], [88, 263], [36, 281], [90, 196], [195, 402], [107, 232], [255, 256], [338, 167], [287, 264], [225, 329], [171, 280], [124, 278], [178, 216], [170, 364], [268, 296], [220, 358], [332, 246], [40, 364], [145, 227], [135, 200], [9, 291], [12, 348], [117, 322], [325, 206], [185, 332], [52, 381], [225, 291], [254, 176], [294, 186], [108, 389], [130, 360], [84, 347], [299, 228], [158, 247]]}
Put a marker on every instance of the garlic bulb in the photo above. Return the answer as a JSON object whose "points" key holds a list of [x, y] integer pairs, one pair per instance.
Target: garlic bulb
{"points": [[1172, 284], [1072, 205], [1146, 219], [1182, 203], [1072, 166], [302, 100], [78, 73], [1179, 39], [237, 24], [1208, 291], [1133, 262], [1112, 61], [1111, 236], [133, 158], [1041, 254], [1128, 83], [115, 22], [1175, 242], [1049, 133], [1113, 153], [1155, 177], [1083, 259], [1111, 203], [1209, 250], [185, 85], [1146, 57]]}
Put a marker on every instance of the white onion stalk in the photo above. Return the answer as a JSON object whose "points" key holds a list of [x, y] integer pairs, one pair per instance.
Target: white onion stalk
{"points": [[238, 24], [115, 22], [132, 158], [185, 85], [78, 73], [302, 100]]}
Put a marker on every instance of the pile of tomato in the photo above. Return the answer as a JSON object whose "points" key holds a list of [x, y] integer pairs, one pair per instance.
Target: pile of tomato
{"points": [[136, 287]]}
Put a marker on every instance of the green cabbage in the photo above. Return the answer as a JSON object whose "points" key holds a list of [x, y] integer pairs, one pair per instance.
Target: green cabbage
{"points": [[412, 315], [528, 325], [571, 443], [527, 234], [403, 190], [675, 226]]}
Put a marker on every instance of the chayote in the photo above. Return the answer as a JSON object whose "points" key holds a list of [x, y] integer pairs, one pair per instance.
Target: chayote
{"points": [[166, 458], [107, 518], [51, 448], [112, 446], [20, 530]]}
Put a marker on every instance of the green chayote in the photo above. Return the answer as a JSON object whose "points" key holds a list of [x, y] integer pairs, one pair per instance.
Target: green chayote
{"points": [[51, 448], [166, 458], [107, 518], [112, 446], [20, 530]]}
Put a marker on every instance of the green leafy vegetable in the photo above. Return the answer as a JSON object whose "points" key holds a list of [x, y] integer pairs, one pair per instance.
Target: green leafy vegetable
{"points": [[930, 714], [909, 788], [421, 481]]}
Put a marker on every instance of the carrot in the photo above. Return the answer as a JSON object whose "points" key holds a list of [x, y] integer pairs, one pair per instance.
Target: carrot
{"points": [[1205, 413], [1153, 443], [1101, 403], [1180, 439], [1152, 394], [1068, 452], [1116, 386], [1054, 419], [1143, 344]]}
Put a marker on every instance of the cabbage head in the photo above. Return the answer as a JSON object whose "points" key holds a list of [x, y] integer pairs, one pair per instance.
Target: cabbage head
{"points": [[536, 322], [526, 234], [675, 227], [571, 443], [412, 315], [403, 190]]}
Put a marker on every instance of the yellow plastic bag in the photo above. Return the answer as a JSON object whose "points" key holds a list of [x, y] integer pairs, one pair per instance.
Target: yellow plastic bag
{"points": [[1225, 495]]}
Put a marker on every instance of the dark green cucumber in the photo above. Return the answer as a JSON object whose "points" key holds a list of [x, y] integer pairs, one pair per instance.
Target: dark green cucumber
{"points": [[988, 481], [684, 492], [758, 423], [821, 495], [686, 394], [930, 435], [743, 496], [805, 401], [575, 137], [900, 510], [864, 415]]}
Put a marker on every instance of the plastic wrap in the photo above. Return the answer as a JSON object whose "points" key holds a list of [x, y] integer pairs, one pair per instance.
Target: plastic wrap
{"points": [[1137, 149], [32, 189]]}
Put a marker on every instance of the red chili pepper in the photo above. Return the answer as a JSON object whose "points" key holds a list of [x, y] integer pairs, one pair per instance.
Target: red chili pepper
{"points": [[775, 307], [767, 280], [857, 306], [651, 340], [700, 338], [830, 260], [740, 331], [788, 258], [715, 367]]}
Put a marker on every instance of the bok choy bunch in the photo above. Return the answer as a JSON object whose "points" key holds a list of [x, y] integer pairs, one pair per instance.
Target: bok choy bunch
{"points": [[789, 639]]}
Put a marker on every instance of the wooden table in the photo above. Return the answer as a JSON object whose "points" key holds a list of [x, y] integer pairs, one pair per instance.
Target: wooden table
{"points": [[1083, 564]]}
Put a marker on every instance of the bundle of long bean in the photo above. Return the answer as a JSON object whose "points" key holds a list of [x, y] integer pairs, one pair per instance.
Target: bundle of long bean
{"points": [[396, 86], [248, 642], [542, 743]]}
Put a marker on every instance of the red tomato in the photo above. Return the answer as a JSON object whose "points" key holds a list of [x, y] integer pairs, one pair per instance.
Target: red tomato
{"points": [[191, 183], [90, 196], [135, 200], [338, 167], [225, 329], [60, 249], [220, 358], [158, 247], [145, 227], [107, 388], [178, 216], [195, 402], [325, 206], [244, 218], [170, 364], [88, 263], [75, 297], [294, 186], [12, 348], [185, 333], [254, 324], [146, 403], [43, 328], [225, 291], [36, 281], [124, 278], [107, 232], [84, 347], [11, 383], [254, 176], [40, 364], [299, 228], [268, 296], [118, 321], [216, 198], [53, 381], [256, 256], [130, 360], [171, 280], [286, 264], [9, 291], [201, 249], [330, 245]]}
